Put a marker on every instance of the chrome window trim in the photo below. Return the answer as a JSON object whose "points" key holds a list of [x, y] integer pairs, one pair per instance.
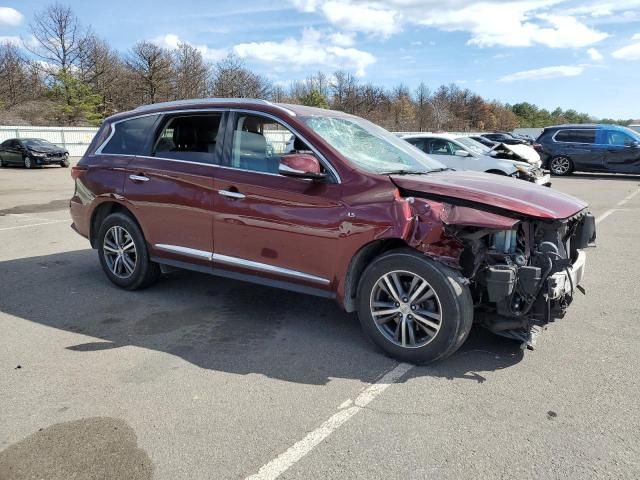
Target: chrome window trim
{"points": [[322, 158], [595, 130], [239, 262]]}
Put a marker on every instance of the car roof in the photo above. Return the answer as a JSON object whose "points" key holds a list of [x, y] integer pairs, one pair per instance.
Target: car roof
{"points": [[215, 102], [578, 126]]}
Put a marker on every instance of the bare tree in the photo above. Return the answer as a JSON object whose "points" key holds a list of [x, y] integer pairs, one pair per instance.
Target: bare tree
{"points": [[423, 107], [190, 72], [152, 72], [58, 39], [231, 78], [15, 76]]}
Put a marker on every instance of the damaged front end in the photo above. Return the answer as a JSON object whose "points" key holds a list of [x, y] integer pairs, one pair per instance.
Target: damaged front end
{"points": [[522, 271]]}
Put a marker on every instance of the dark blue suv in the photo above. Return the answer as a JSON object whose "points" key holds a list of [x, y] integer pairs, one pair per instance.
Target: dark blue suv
{"points": [[589, 148]]}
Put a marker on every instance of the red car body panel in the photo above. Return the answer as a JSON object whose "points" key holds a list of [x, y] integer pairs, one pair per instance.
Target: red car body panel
{"points": [[291, 223], [494, 190]]}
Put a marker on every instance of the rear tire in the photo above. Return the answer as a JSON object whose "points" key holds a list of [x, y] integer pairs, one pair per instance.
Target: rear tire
{"points": [[123, 253], [416, 323], [561, 166]]}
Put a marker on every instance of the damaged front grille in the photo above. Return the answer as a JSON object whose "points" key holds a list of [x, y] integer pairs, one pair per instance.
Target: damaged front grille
{"points": [[517, 274]]}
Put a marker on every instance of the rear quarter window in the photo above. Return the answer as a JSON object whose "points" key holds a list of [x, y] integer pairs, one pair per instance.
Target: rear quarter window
{"points": [[576, 136], [131, 137]]}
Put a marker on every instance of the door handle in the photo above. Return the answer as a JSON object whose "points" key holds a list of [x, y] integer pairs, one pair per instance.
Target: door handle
{"points": [[139, 178], [230, 194]]}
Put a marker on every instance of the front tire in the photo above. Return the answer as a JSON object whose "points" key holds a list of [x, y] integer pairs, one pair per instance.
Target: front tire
{"points": [[28, 163], [414, 308], [561, 166], [64, 164], [123, 253]]}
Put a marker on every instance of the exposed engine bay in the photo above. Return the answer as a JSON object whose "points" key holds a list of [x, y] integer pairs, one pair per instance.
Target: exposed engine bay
{"points": [[523, 272], [526, 277]]}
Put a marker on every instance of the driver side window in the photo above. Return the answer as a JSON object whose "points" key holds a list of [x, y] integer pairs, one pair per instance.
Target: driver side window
{"points": [[618, 138]]}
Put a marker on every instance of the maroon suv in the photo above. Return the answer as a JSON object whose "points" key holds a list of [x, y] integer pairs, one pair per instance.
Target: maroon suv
{"points": [[325, 203]]}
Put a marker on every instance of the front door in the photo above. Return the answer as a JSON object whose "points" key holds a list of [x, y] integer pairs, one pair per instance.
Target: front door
{"points": [[172, 190], [279, 228], [623, 152]]}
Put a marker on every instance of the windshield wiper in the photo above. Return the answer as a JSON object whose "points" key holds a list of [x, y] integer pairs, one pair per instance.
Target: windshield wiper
{"points": [[444, 169], [404, 172]]}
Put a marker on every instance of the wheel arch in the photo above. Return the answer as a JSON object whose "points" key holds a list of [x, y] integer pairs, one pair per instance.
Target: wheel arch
{"points": [[359, 262], [496, 171], [101, 212]]}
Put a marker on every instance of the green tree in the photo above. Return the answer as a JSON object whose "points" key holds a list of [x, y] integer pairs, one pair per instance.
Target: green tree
{"points": [[76, 102], [314, 99]]}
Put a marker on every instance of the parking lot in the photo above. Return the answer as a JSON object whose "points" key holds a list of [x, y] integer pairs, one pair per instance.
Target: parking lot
{"points": [[200, 377]]}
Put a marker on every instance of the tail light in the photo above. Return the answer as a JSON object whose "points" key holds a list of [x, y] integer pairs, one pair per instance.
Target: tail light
{"points": [[77, 170]]}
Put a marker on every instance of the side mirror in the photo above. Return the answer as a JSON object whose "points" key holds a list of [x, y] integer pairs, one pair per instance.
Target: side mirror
{"points": [[301, 165], [632, 144], [462, 153]]}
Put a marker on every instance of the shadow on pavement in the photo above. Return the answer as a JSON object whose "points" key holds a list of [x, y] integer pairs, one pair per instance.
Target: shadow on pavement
{"points": [[218, 324], [603, 176]]}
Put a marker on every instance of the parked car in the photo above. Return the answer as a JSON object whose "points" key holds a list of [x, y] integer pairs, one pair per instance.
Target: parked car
{"points": [[32, 152], [590, 148], [485, 141], [504, 138], [464, 153], [522, 136], [352, 213]]}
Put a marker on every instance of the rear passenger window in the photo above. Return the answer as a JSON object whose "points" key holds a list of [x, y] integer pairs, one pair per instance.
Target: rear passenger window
{"points": [[576, 136], [190, 137], [131, 136]]}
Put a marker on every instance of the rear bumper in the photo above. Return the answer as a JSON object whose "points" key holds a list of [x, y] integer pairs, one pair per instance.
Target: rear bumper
{"points": [[564, 283]]}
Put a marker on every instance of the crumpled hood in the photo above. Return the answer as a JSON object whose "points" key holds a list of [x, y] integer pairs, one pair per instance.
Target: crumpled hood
{"points": [[43, 149], [494, 191]]}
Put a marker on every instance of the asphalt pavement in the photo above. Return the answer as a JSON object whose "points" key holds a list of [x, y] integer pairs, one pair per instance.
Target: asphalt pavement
{"points": [[206, 378]]}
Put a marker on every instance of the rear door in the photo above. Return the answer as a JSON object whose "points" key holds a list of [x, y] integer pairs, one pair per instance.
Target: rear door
{"points": [[171, 186], [623, 152], [11, 152], [269, 225], [581, 147]]}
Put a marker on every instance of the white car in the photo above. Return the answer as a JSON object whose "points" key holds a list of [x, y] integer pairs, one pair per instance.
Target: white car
{"points": [[464, 153]]}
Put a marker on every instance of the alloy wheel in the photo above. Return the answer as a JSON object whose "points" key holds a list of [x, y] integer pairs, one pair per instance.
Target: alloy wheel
{"points": [[120, 252], [560, 165], [27, 162], [406, 309]]}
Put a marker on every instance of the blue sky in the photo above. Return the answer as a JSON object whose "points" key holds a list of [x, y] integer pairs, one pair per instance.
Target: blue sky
{"points": [[573, 54]]}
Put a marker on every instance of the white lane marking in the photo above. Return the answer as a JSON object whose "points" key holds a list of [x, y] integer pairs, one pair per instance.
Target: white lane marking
{"points": [[28, 217], [33, 225], [286, 460], [619, 204]]}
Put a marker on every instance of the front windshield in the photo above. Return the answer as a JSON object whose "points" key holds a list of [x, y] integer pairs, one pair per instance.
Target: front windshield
{"points": [[474, 146], [370, 147], [36, 142]]}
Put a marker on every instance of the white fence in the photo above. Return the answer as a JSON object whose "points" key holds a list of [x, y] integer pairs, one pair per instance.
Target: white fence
{"points": [[74, 139]]}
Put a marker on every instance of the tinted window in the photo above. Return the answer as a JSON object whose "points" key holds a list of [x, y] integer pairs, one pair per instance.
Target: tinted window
{"points": [[417, 142], [131, 136], [259, 142], [576, 136], [6, 143], [190, 137]]}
